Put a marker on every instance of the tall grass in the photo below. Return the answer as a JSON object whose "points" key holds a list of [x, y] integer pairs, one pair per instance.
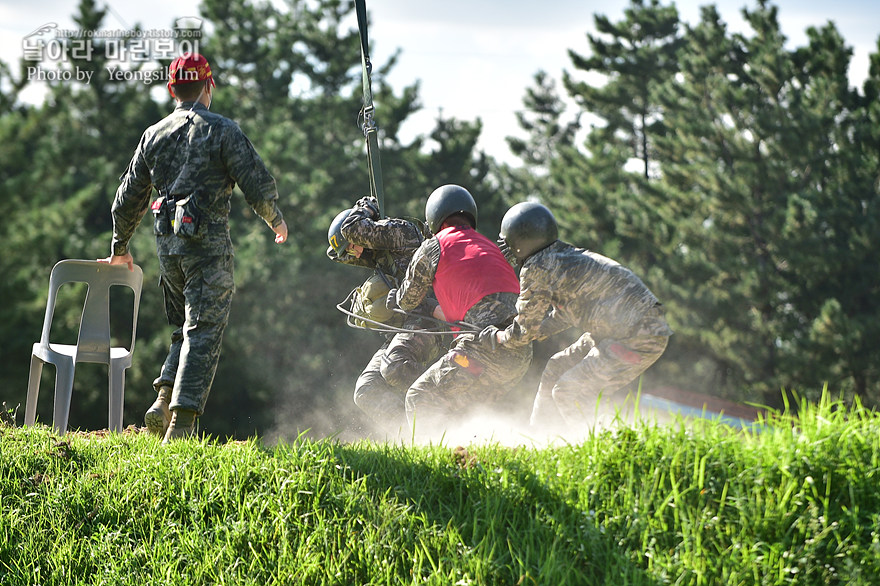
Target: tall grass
{"points": [[793, 500]]}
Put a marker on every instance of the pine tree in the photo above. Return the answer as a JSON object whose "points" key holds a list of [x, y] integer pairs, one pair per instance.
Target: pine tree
{"points": [[548, 135], [760, 168], [830, 225], [542, 119], [633, 55], [609, 186]]}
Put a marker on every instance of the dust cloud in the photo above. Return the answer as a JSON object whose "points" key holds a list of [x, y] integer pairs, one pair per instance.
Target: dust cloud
{"points": [[508, 427]]}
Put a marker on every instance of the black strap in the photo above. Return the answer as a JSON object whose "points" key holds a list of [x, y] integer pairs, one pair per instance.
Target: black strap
{"points": [[370, 129], [385, 278], [178, 134]]}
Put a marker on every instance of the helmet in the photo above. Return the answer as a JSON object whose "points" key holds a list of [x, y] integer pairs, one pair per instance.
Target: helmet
{"points": [[527, 227], [447, 200], [338, 242]]}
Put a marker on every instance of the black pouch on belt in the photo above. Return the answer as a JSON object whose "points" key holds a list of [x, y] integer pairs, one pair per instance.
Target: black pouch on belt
{"points": [[187, 217], [161, 218]]}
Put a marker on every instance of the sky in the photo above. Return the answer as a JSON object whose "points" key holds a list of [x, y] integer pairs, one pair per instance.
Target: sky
{"points": [[474, 58]]}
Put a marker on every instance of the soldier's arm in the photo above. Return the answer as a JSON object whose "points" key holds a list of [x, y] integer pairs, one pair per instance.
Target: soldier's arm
{"points": [[387, 234], [532, 307], [250, 174], [131, 201], [419, 275], [553, 324]]}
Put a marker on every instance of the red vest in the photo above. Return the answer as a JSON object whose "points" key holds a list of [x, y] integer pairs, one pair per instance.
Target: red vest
{"points": [[471, 266]]}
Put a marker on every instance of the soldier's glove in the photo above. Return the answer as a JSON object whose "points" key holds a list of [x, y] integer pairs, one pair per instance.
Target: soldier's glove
{"points": [[488, 338], [391, 300], [371, 205], [466, 339], [506, 251]]}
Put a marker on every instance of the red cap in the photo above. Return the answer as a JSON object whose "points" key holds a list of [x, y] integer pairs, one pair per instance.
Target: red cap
{"points": [[188, 68]]}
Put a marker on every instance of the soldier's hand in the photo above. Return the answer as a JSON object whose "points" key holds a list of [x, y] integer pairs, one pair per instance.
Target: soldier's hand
{"points": [[466, 339], [370, 204], [489, 337], [280, 232], [125, 259], [506, 251], [391, 300]]}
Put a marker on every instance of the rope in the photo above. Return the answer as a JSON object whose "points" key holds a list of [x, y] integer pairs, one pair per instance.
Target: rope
{"points": [[387, 329], [370, 129]]}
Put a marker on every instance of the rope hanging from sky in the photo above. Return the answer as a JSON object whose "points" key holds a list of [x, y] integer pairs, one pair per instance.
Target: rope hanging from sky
{"points": [[371, 130]]}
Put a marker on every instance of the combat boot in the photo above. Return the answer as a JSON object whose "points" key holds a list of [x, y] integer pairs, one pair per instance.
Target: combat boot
{"points": [[158, 416], [183, 423]]}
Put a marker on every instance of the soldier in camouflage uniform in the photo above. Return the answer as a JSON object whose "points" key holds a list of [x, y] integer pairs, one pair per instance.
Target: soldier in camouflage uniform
{"points": [[359, 237], [474, 284], [193, 158], [563, 286]]}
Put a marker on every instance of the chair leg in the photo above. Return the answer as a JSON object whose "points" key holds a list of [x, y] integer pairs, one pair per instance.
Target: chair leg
{"points": [[117, 394], [63, 393], [33, 391]]}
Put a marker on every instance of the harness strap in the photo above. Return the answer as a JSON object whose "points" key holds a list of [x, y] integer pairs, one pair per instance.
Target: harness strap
{"points": [[370, 129]]}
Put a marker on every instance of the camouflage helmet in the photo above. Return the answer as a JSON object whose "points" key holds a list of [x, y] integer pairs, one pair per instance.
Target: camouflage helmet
{"points": [[526, 228], [447, 200], [338, 242]]}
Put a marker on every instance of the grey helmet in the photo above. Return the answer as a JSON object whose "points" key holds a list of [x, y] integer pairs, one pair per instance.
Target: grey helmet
{"points": [[526, 228], [338, 242], [446, 201]]}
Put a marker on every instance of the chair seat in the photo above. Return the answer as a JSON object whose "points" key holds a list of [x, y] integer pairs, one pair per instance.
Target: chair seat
{"points": [[54, 351]]}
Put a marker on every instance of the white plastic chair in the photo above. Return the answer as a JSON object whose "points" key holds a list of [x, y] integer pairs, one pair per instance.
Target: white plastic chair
{"points": [[93, 343]]}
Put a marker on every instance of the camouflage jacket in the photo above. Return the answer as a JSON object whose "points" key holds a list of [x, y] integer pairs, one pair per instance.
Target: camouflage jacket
{"points": [[388, 244], [193, 151], [562, 286], [494, 309]]}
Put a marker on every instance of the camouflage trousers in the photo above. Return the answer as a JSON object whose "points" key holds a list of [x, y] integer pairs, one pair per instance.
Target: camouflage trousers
{"points": [[198, 294], [468, 375], [380, 389], [575, 378]]}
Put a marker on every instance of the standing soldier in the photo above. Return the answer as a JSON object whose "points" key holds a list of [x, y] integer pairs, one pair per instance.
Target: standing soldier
{"points": [[563, 286], [193, 158], [475, 284], [359, 237]]}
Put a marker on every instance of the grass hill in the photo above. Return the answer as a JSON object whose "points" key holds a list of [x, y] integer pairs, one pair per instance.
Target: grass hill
{"points": [[792, 500]]}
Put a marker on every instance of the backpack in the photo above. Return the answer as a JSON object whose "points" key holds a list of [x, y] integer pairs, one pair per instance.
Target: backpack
{"points": [[368, 301]]}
